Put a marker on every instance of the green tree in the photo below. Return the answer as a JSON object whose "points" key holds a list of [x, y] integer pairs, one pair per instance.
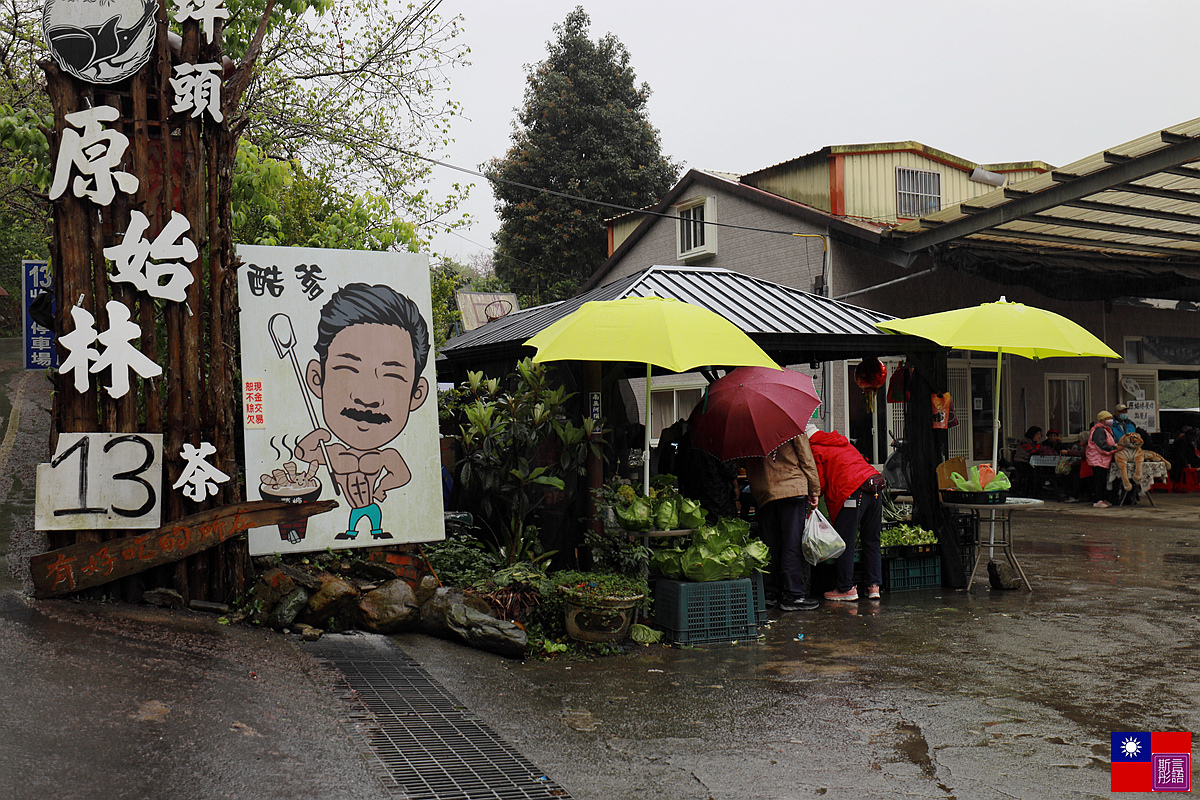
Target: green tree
{"points": [[583, 131], [446, 277], [344, 99]]}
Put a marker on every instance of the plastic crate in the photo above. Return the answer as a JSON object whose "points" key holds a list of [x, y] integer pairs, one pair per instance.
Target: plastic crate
{"points": [[698, 612], [995, 498], [760, 597], [907, 574]]}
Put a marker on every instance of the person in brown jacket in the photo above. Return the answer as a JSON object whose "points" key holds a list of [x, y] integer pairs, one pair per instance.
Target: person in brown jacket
{"points": [[786, 487]]}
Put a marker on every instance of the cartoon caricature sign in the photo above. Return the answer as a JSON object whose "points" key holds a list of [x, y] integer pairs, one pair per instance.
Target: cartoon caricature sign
{"points": [[338, 395], [100, 42]]}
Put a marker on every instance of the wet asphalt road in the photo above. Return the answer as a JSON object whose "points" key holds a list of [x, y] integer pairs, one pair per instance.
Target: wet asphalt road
{"points": [[925, 694]]}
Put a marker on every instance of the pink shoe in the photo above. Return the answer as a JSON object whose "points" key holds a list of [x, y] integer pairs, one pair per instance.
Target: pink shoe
{"points": [[1101, 504], [873, 592], [851, 595]]}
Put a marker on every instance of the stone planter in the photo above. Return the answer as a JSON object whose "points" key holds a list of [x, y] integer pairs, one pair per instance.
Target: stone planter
{"points": [[599, 619]]}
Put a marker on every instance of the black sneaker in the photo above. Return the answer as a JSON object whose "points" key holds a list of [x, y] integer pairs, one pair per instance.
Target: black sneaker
{"points": [[799, 604]]}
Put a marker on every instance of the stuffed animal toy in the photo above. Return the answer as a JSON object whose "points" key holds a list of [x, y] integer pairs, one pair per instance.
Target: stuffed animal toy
{"points": [[1129, 451]]}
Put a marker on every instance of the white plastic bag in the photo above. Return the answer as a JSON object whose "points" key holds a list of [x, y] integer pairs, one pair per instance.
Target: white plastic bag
{"points": [[821, 542]]}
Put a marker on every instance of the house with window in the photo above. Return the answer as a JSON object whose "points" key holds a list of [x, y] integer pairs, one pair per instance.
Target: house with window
{"points": [[1111, 241]]}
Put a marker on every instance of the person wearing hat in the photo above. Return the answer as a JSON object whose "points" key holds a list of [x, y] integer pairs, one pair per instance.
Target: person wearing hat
{"points": [[1098, 456], [1122, 424]]}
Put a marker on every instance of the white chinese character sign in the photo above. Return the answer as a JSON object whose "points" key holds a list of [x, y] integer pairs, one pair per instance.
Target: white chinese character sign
{"points": [[93, 157], [100, 42], [342, 404]]}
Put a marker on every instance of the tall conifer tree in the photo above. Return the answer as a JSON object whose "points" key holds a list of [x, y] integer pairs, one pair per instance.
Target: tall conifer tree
{"points": [[583, 131]]}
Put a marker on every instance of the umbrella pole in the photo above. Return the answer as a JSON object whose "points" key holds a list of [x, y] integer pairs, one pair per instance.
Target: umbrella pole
{"points": [[995, 443], [646, 448]]}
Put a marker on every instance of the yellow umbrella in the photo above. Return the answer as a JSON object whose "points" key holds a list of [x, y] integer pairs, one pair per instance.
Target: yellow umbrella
{"points": [[1001, 328], [659, 331]]}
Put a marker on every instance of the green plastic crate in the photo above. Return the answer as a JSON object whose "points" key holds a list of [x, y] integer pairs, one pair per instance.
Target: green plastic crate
{"points": [[907, 574], [698, 612], [760, 597]]}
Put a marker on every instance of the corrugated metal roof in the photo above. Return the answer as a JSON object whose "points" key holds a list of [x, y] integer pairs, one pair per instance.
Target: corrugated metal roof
{"points": [[754, 305], [1139, 199]]}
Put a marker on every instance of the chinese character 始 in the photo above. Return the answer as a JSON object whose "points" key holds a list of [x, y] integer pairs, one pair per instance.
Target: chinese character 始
{"points": [[144, 263]]}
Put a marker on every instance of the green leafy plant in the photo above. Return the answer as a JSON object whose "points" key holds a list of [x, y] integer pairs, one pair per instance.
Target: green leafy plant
{"points": [[460, 561], [518, 445], [718, 552]]}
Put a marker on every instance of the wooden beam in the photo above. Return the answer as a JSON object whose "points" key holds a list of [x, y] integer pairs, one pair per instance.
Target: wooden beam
{"points": [[88, 564]]}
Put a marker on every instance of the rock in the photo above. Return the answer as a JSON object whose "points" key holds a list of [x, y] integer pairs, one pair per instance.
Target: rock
{"points": [[1003, 576], [435, 609], [302, 578], [485, 632], [209, 606], [426, 589], [163, 598], [278, 580], [390, 608], [331, 600], [286, 611], [372, 570], [307, 632]]}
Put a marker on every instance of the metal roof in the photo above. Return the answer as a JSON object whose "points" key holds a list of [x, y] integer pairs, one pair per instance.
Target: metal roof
{"points": [[1138, 201], [783, 320]]}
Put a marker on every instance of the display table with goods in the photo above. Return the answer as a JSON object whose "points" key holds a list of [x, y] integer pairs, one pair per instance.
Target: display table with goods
{"points": [[998, 516], [987, 491]]}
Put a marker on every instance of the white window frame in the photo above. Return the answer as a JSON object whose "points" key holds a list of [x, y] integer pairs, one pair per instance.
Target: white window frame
{"points": [[918, 192], [696, 239], [1086, 418]]}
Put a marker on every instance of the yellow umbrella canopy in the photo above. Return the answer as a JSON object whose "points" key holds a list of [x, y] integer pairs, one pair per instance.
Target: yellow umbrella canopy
{"points": [[657, 331], [1001, 328], [661, 331]]}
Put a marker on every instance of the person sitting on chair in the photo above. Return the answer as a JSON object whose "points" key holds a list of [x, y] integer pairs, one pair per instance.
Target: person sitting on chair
{"points": [[1027, 446]]}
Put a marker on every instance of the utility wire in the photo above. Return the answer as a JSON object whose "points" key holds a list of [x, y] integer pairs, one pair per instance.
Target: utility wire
{"points": [[589, 201]]}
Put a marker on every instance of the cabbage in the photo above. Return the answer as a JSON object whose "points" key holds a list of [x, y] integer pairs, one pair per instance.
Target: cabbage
{"points": [[691, 515], [666, 516], [667, 563], [637, 516], [758, 555]]}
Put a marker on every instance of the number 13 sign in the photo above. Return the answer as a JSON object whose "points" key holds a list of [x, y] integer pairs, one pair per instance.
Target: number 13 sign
{"points": [[101, 480]]}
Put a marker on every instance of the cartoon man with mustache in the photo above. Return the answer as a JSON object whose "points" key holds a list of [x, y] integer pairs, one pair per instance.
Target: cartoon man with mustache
{"points": [[372, 345]]}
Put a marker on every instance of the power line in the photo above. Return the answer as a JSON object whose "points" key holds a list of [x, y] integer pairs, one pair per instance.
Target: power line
{"points": [[589, 201]]}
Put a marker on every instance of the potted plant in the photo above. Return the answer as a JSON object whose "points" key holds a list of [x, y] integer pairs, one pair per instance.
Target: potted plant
{"points": [[506, 431], [599, 605]]}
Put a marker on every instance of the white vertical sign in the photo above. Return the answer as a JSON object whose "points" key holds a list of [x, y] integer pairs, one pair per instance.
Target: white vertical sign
{"points": [[342, 403]]}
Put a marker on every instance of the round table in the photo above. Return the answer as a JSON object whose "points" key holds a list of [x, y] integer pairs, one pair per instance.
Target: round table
{"points": [[1001, 515]]}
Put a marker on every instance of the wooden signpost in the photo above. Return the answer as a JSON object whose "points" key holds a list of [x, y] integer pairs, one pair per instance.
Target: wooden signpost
{"points": [[89, 564]]}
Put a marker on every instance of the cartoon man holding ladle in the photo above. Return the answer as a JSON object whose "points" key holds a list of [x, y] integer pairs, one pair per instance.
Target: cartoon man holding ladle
{"points": [[372, 346]]}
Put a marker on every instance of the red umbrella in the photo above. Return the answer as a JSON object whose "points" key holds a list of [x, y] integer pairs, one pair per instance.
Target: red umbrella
{"points": [[752, 411]]}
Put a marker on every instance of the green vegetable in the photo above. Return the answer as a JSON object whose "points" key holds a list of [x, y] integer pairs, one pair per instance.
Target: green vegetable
{"points": [[906, 535], [637, 516], [691, 514], [666, 515]]}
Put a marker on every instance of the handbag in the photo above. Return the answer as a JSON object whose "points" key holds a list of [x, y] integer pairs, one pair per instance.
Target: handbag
{"points": [[820, 541]]}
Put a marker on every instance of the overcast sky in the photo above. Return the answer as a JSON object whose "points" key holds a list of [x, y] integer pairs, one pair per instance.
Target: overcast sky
{"points": [[741, 86]]}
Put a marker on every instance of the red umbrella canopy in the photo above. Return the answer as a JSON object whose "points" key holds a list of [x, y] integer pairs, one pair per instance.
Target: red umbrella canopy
{"points": [[752, 411]]}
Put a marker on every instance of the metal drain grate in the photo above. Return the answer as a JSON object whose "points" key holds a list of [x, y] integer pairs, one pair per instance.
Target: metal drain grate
{"points": [[422, 743]]}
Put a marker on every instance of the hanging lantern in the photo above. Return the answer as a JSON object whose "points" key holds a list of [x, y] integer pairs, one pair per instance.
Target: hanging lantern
{"points": [[871, 376]]}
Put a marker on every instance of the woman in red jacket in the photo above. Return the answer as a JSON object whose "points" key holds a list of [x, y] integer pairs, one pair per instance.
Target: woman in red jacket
{"points": [[852, 488]]}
